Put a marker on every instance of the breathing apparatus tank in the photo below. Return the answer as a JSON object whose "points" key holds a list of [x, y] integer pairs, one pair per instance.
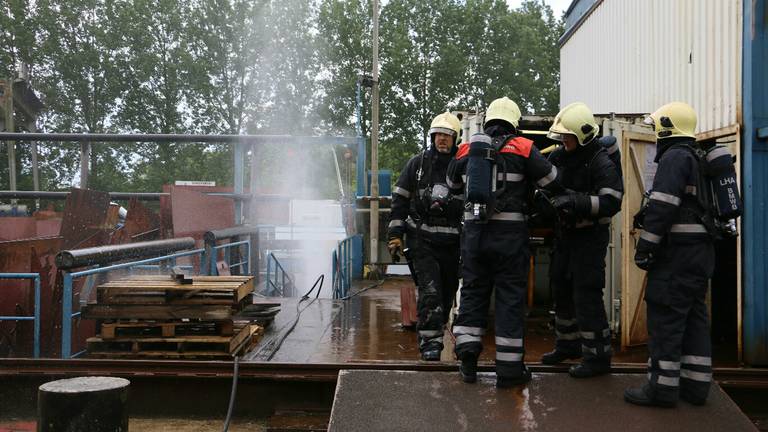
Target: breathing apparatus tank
{"points": [[720, 172], [614, 153], [481, 176]]}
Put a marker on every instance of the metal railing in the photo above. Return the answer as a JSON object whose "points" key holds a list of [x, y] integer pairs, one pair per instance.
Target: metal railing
{"points": [[341, 263], [36, 317], [282, 284], [244, 264]]}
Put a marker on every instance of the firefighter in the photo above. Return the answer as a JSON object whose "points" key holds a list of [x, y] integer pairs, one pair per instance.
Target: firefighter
{"points": [[678, 254], [495, 171], [577, 272], [423, 207]]}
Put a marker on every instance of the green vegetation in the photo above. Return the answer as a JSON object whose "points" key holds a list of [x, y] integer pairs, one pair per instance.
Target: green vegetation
{"points": [[259, 67]]}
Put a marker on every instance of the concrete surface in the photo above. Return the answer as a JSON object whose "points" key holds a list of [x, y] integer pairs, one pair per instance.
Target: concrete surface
{"points": [[438, 401]]}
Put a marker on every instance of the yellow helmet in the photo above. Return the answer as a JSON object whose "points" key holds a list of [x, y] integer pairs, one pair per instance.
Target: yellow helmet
{"points": [[446, 123], [675, 119], [575, 119], [503, 109]]}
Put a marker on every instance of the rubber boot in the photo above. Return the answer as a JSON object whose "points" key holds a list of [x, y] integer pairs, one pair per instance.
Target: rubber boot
{"points": [[644, 396], [506, 382], [468, 369], [554, 357]]}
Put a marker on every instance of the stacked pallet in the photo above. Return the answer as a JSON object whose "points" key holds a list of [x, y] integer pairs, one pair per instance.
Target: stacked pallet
{"points": [[182, 318]]}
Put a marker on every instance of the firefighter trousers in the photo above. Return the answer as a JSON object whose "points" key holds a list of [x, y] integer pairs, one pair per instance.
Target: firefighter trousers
{"points": [[679, 343], [577, 276], [437, 270], [494, 257]]}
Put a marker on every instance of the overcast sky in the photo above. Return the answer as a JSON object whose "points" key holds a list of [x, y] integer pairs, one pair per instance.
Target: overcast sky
{"points": [[558, 6]]}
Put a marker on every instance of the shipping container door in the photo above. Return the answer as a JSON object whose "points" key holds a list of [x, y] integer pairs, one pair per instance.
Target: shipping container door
{"points": [[638, 146]]}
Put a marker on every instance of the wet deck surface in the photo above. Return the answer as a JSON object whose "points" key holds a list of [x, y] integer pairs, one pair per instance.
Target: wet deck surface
{"points": [[400, 401], [367, 328]]}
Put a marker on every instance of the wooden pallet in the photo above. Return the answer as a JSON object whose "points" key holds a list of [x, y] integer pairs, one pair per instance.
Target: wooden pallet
{"points": [[163, 290], [157, 312], [172, 347], [166, 329]]}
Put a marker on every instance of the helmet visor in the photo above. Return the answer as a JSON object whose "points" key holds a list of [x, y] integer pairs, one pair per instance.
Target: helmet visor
{"points": [[650, 122], [442, 130], [555, 136]]}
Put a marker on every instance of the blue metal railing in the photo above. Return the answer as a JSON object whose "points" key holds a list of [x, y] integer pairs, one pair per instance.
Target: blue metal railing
{"points": [[342, 268], [282, 284], [227, 248], [36, 317], [66, 310]]}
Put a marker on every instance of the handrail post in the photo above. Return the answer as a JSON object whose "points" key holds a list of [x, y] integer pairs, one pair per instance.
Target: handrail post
{"points": [[66, 317], [248, 257], [37, 317], [212, 263]]}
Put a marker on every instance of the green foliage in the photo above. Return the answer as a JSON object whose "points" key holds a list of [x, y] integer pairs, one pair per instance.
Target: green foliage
{"points": [[262, 67]]}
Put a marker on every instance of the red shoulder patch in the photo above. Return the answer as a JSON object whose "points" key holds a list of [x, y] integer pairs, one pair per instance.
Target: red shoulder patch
{"points": [[463, 150], [519, 146]]}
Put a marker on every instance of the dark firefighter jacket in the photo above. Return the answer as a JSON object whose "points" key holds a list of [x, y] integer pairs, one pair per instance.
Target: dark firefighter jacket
{"points": [[673, 208], [411, 202], [589, 170], [519, 164]]}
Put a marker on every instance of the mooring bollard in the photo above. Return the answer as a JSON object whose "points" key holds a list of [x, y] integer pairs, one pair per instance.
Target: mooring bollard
{"points": [[92, 404]]}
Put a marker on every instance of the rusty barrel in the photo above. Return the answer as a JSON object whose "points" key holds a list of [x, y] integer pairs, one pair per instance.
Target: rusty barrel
{"points": [[92, 404]]}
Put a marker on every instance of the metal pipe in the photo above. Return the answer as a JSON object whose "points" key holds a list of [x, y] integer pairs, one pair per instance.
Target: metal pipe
{"points": [[226, 233], [68, 259], [111, 138], [374, 221], [146, 196]]}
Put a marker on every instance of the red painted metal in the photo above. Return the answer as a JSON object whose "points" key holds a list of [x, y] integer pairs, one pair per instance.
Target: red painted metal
{"points": [[408, 309], [14, 228], [17, 296], [194, 213]]}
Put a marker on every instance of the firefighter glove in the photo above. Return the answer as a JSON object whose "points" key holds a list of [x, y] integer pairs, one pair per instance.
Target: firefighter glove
{"points": [[644, 259], [573, 204], [395, 245]]}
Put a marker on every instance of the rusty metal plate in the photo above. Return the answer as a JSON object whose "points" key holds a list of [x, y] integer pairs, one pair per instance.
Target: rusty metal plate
{"points": [[141, 224], [27, 256], [85, 216]]}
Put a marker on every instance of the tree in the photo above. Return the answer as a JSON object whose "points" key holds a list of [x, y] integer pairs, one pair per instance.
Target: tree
{"points": [[540, 57], [82, 76], [344, 54], [156, 35], [17, 35], [421, 75]]}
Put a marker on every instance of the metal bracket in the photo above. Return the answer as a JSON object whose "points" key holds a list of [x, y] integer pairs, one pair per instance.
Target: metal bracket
{"points": [[762, 133]]}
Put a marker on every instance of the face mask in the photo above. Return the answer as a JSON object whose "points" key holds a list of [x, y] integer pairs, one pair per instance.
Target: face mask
{"points": [[496, 130]]}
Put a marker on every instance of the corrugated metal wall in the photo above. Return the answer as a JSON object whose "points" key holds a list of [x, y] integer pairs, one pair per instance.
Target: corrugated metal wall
{"points": [[612, 62]]}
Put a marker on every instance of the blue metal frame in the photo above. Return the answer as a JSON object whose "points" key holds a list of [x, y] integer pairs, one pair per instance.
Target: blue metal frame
{"points": [[213, 271], [36, 317], [342, 268], [281, 277], [755, 183]]}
